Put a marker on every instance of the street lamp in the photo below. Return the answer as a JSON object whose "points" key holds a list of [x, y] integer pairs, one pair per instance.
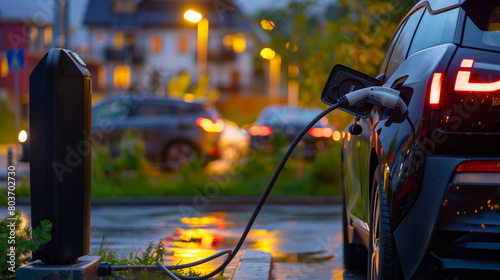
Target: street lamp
{"points": [[274, 73], [202, 44]]}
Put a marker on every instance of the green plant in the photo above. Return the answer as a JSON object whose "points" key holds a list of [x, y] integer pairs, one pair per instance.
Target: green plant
{"points": [[130, 161], [131, 153], [23, 239], [149, 257], [324, 176]]}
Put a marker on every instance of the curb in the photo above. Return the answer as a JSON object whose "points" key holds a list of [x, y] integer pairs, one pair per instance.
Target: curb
{"points": [[253, 264]]}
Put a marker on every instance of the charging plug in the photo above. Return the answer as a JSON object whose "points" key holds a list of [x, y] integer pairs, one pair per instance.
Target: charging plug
{"points": [[387, 97]]}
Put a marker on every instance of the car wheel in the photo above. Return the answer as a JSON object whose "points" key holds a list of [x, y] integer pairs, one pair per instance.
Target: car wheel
{"points": [[381, 246], [355, 256], [179, 154]]}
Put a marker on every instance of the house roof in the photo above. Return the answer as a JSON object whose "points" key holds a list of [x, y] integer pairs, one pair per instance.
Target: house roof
{"points": [[164, 13]]}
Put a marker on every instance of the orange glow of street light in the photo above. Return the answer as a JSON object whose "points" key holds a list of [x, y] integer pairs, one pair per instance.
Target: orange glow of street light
{"points": [[267, 53], [267, 24], [192, 16]]}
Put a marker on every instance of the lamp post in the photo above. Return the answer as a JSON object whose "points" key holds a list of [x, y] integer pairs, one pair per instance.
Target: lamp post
{"points": [[274, 73], [202, 43]]}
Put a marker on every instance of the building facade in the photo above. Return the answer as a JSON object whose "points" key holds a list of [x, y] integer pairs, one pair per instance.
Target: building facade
{"points": [[141, 45]]}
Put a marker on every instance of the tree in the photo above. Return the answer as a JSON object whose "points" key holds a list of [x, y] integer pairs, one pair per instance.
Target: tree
{"points": [[353, 33]]}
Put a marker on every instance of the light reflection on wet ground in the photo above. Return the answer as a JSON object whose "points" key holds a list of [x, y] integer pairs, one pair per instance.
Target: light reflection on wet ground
{"points": [[305, 241]]}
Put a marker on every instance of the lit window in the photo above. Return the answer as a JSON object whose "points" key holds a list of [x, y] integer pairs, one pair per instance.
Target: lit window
{"points": [[101, 77], [118, 40], [182, 43], [4, 67], [121, 76], [227, 41], [33, 33], [47, 35], [156, 43], [239, 43]]}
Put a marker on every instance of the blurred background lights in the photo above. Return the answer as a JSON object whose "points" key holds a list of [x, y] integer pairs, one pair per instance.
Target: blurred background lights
{"points": [[293, 70], [267, 24], [336, 136], [192, 16], [291, 47], [267, 53]]}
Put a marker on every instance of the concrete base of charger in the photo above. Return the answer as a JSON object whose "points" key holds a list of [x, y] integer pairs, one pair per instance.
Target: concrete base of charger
{"points": [[86, 268]]}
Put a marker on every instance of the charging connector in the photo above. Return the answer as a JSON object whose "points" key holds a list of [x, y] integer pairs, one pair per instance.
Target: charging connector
{"points": [[383, 96]]}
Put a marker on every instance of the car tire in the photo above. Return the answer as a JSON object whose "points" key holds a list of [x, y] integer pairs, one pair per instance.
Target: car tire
{"points": [[355, 256], [178, 154], [381, 246]]}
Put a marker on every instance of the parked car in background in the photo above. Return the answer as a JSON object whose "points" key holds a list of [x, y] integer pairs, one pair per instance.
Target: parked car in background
{"points": [[172, 130], [288, 121], [421, 195]]}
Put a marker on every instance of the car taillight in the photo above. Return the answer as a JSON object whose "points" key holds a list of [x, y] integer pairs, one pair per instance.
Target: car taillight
{"points": [[479, 166], [321, 132], [478, 172], [209, 126], [258, 130], [463, 82], [435, 92]]}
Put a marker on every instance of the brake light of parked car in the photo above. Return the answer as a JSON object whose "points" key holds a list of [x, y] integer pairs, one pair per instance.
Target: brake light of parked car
{"points": [[435, 93], [319, 132], [257, 130], [463, 82], [209, 126]]}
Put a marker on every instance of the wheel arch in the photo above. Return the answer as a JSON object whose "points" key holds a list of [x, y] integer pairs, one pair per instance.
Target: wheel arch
{"points": [[177, 140]]}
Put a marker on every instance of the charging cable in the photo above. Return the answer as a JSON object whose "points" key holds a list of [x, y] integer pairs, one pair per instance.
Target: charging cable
{"points": [[387, 97]]}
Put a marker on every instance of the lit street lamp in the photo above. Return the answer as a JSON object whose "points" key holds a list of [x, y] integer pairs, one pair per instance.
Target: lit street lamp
{"points": [[274, 73], [202, 44]]}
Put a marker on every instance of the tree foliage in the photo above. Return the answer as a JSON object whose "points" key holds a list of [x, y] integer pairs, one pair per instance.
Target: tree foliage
{"points": [[315, 37]]}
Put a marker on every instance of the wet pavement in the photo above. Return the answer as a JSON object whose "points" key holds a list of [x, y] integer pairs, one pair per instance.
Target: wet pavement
{"points": [[304, 240]]}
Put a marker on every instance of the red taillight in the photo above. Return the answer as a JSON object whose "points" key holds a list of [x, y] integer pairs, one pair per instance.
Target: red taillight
{"points": [[319, 132], [463, 82], [258, 130], [209, 126], [479, 166], [435, 88]]}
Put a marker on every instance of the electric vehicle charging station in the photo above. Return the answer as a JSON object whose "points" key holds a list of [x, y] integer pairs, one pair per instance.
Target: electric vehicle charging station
{"points": [[60, 154]]}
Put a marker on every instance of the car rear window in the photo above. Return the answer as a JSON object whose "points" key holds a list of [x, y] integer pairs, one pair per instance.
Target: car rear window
{"points": [[434, 30], [285, 115], [482, 28]]}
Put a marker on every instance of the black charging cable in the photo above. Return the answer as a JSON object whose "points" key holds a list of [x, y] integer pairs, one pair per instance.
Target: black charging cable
{"points": [[107, 268]]}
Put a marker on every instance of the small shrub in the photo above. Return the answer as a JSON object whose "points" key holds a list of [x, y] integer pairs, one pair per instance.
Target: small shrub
{"points": [[27, 240]]}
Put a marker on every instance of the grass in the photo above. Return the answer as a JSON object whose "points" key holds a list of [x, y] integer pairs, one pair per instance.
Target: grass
{"points": [[321, 177], [149, 257]]}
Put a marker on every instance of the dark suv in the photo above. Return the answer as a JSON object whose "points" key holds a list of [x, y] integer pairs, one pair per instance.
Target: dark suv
{"points": [[172, 130], [422, 191]]}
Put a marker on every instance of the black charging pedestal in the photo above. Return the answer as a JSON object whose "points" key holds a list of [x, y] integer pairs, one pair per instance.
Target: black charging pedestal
{"points": [[60, 154]]}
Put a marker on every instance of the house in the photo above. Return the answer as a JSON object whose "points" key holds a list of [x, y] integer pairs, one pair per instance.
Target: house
{"points": [[20, 29], [142, 44]]}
